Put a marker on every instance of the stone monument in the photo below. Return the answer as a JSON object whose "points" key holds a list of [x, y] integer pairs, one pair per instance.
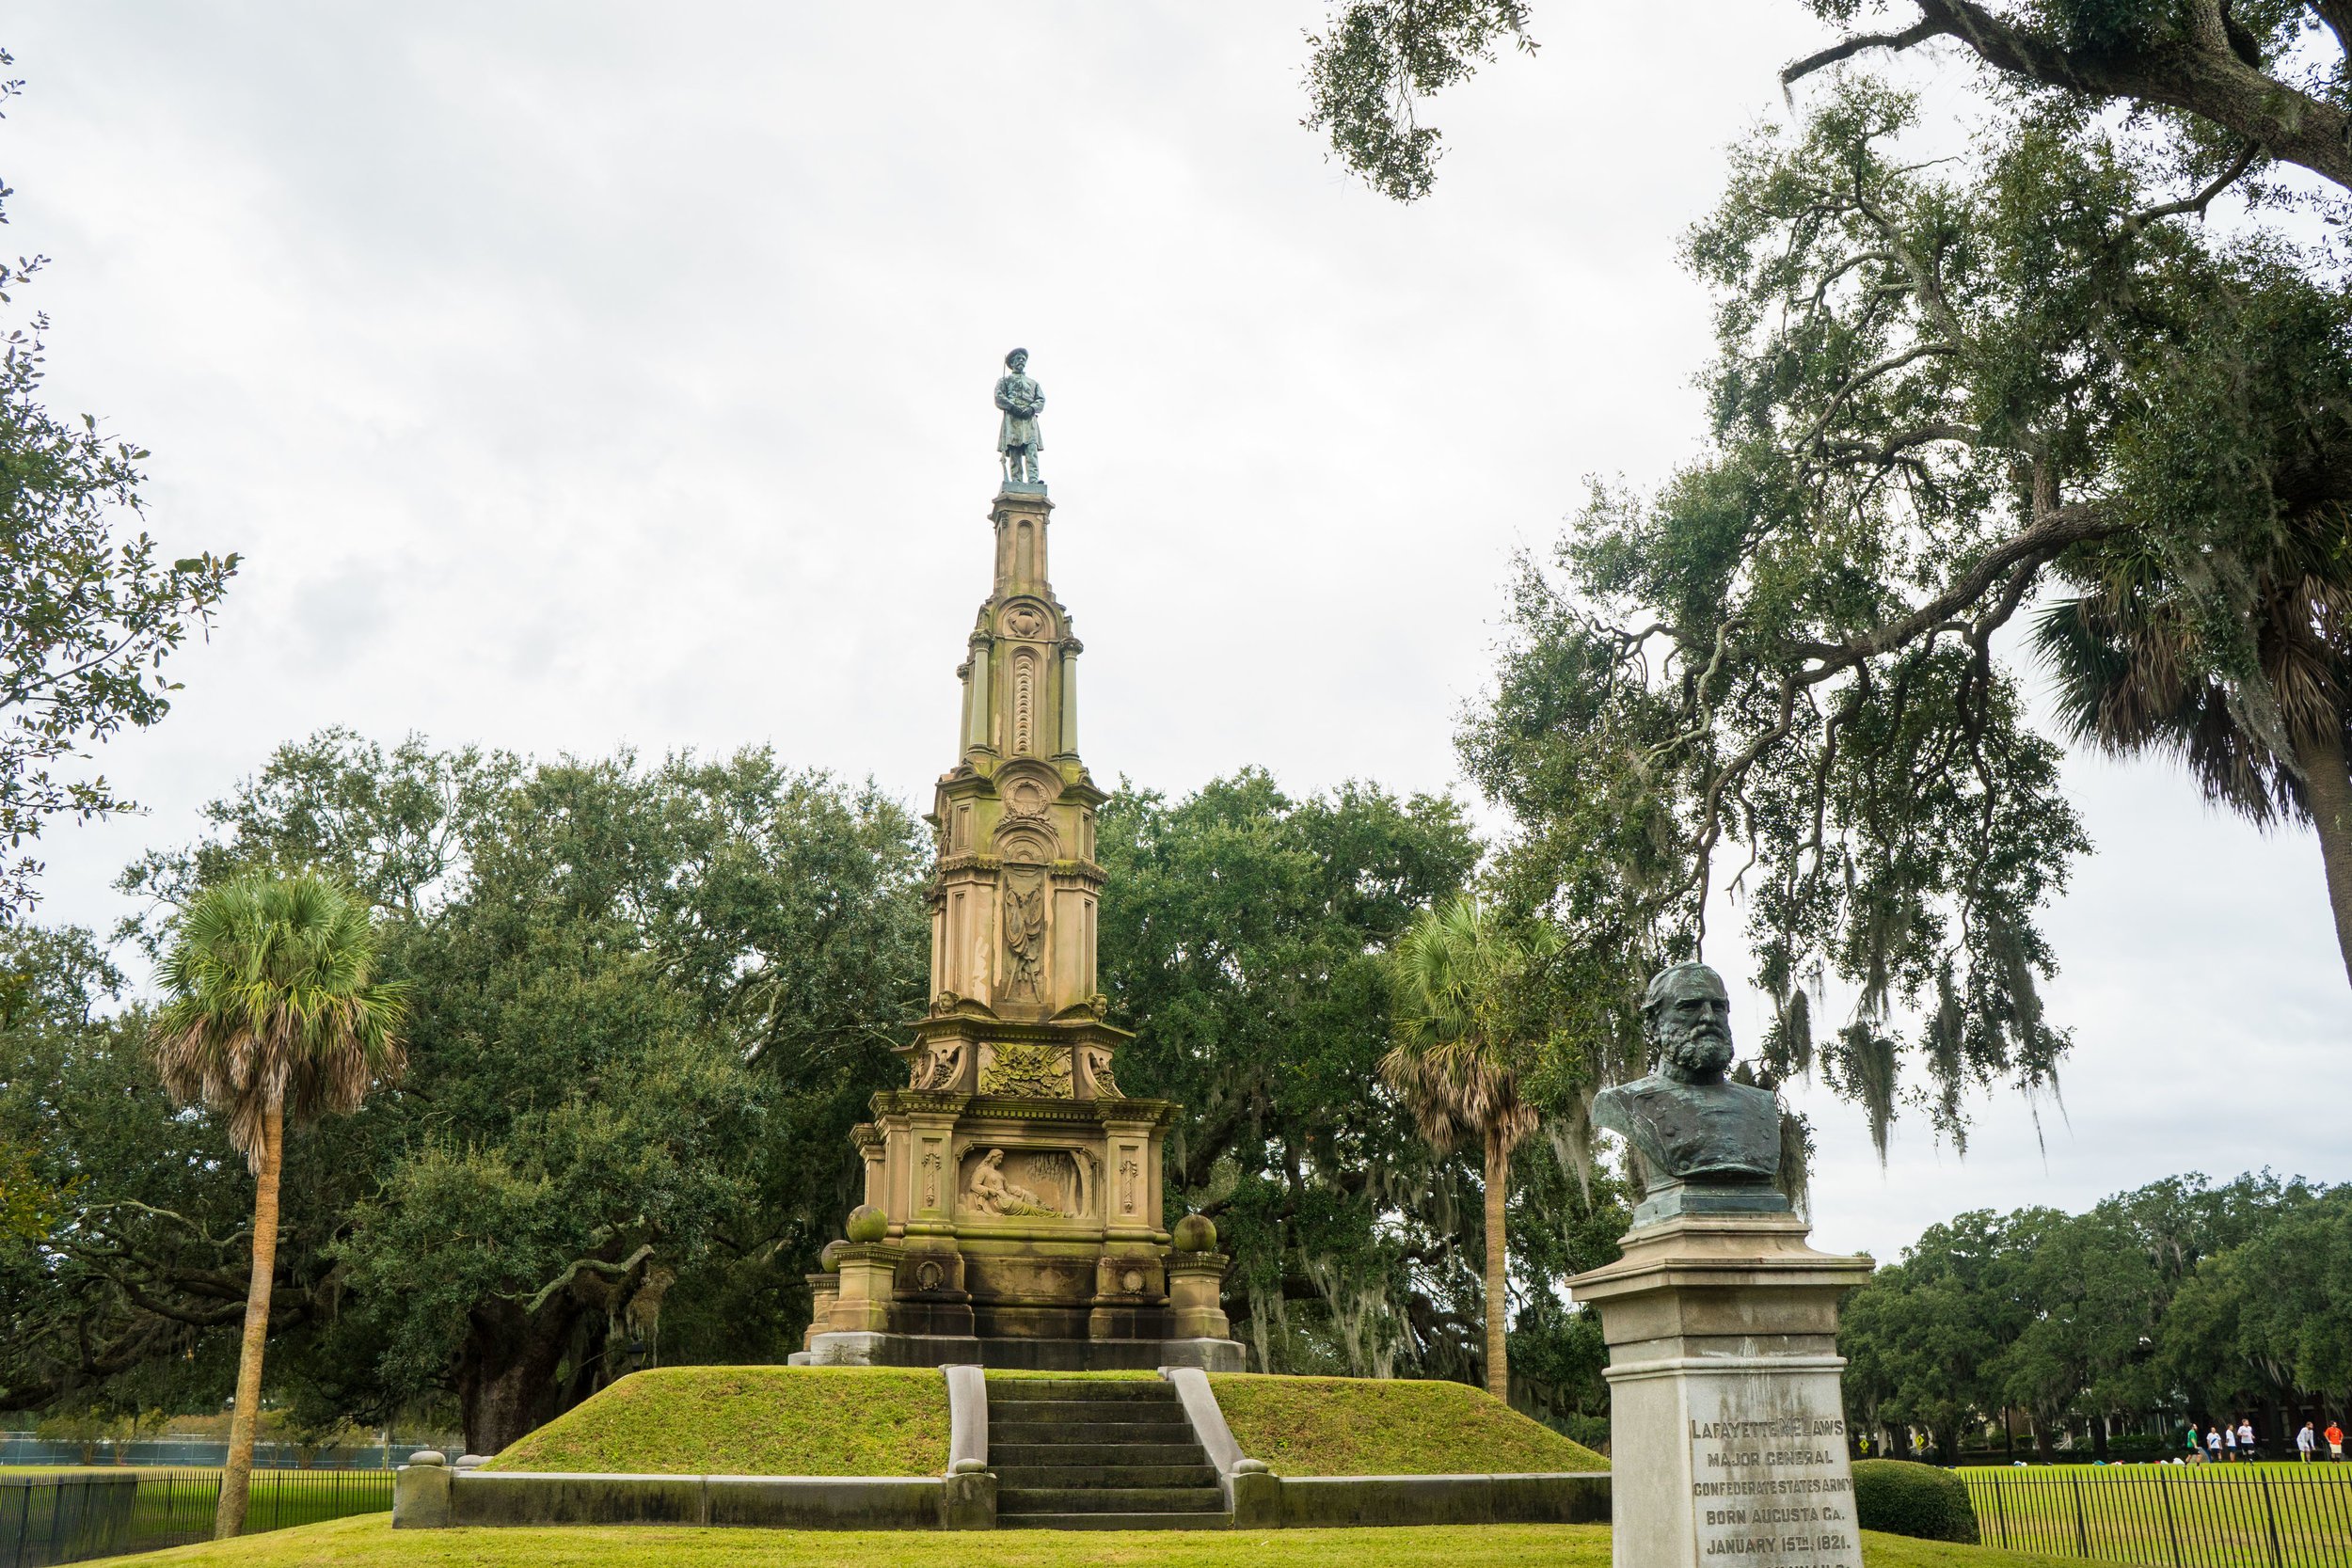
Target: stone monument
{"points": [[1727, 1431], [1013, 1214]]}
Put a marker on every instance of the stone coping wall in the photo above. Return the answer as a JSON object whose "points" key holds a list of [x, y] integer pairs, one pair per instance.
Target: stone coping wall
{"points": [[434, 1495], [749, 1421]]}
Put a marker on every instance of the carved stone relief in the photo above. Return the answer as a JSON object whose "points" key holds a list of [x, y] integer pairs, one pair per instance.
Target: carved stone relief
{"points": [[1040, 1070], [1098, 1062], [1025, 933], [1024, 684], [1023, 621], [1025, 797], [1026, 1183], [939, 1066], [1128, 1172]]}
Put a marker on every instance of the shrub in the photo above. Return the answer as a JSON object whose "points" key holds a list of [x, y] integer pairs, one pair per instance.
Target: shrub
{"points": [[1920, 1500]]}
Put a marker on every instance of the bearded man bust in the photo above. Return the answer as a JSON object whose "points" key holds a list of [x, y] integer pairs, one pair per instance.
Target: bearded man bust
{"points": [[1707, 1145]]}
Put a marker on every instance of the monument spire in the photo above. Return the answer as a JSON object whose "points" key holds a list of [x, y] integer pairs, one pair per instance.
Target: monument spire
{"points": [[1013, 1207]]}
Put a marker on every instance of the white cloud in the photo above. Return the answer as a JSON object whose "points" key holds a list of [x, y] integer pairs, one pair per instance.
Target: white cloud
{"points": [[575, 375]]}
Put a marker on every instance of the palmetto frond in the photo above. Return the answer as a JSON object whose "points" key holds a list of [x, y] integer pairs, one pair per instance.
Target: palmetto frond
{"points": [[2133, 671], [1452, 975], [272, 1002]]}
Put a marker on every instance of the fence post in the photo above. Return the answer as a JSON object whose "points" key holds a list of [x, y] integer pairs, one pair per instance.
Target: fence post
{"points": [[2082, 1533], [2171, 1531], [2271, 1518]]}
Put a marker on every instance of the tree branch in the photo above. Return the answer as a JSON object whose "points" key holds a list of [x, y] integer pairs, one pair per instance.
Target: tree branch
{"points": [[1846, 48], [2203, 199], [593, 1265]]}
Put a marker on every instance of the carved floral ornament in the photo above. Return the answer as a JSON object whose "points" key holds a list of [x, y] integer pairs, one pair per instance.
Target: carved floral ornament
{"points": [[1024, 621], [1042, 1070]]}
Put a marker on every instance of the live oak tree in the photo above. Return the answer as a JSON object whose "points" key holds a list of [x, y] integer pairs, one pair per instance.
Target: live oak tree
{"points": [[89, 610], [647, 1003], [1241, 937], [1243, 934], [2261, 78], [1940, 395], [2017, 385], [2183, 1298]]}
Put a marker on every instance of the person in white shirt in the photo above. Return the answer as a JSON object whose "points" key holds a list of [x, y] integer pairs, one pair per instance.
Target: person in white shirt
{"points": [[2305, 1441], [2245, 1449]]}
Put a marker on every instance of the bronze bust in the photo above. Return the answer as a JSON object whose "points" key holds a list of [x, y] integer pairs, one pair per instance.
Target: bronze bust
{"points": [[1707, 1145]]}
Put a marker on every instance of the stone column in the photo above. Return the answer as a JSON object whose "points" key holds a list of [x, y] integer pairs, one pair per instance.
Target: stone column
{"points": [[869, 1273], [1727, 1430]]}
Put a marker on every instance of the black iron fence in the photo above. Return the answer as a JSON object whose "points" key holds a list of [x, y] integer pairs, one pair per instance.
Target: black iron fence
{"points": [[73, 1515], [2170, 1515], [197, 1453]]}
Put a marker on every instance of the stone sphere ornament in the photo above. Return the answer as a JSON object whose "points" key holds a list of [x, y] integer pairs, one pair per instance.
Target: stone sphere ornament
{"points": [[828, 1257], [1194, 1233], [867, 1223]]}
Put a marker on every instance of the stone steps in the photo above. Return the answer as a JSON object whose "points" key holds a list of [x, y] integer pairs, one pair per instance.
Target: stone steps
{"points": [[1109, 1499], [1111, 1521], [1022, 1456], [1119, 1474], [1089, 1454], [1175, 1431]]}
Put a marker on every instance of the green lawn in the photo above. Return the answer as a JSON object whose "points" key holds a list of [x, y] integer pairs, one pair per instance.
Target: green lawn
{"points": [[750, 1422], [1353, 1426], [372, 1543], [2217, 1516]]}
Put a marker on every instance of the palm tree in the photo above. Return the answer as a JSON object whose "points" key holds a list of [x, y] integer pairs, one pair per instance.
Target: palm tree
{"points": [[273, 1017], [2135, 664], [1453, 1063]]}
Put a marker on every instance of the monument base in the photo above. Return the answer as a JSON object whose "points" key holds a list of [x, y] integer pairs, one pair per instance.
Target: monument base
{"points": [[1727, 1430], [1038, 1355]]}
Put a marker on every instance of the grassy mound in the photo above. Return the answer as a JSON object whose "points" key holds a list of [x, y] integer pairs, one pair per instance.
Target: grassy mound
{"points": [[750, 1422], [1356, 1426], [369, 1542]]}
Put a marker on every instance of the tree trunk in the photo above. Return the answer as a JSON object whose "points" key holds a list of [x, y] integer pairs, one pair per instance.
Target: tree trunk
{"points": [[506, 1371], [236, 1476], [1498, 1296], [2328, 789], [2098, 1437]]}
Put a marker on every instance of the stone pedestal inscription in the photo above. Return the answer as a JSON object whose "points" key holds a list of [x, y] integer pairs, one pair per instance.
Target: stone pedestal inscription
{"points": [[1728, 1434], [1775, 1491]]}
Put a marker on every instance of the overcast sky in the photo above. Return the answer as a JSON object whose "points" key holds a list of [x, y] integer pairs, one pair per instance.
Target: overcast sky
{"points": [[577, 376]]}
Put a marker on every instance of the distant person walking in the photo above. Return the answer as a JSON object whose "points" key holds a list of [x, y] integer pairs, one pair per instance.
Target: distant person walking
{"points": [[2228, 1443], [2304, 1443], [2247, 1449], [2335, 1442], [2212, 1444], [2196, 1445]]}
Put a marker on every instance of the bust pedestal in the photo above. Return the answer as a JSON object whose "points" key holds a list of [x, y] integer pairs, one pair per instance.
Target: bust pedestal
{"points": [[1727, 1431]]}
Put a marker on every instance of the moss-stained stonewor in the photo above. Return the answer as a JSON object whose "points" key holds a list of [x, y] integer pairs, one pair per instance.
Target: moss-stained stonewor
{"points": [[750, 1422], [1353, 1426]]}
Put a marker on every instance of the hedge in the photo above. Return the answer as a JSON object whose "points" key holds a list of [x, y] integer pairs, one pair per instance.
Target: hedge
{"points": [[1918, 1501]]}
